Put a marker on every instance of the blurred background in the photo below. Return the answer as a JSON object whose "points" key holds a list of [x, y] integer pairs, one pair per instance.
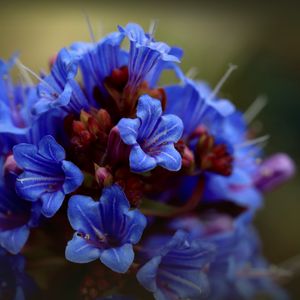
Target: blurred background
{"points": [[263, 39]]}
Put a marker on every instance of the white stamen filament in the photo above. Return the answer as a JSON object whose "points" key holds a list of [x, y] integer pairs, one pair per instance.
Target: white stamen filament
{"points": [[153, 27], [259, 140], [28, 70], [90, 27], [192, 73], [23, 73], [274, 272], [218, 87], [255, 108]]}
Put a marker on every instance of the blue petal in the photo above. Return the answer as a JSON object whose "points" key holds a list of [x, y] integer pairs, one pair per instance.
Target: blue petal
{"points": [[238, 187], [79, 250], [168, 158], [149, 111], [144, 55], [73, 177], [168, 130], [50, 123], [187, 103], [50, 98], [148, 273], [52, 203], [23, 154], [113, 205], [134, 32], [84, 215], [223, 106], [139, 161], [27, 158], [115, 192], [14, 240], [136, 224], [98, 61], [154, 75], [31, 186], [184, 284], [129, 130], [50, 149], [56, 89], [118, 259]]}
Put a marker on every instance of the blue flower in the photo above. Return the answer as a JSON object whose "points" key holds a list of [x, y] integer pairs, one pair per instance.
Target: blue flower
{"points": [[152, 137], [60, 89], [47, 175], [17, 216], [190, 102], [177, 269], [238, 270], [14, 114], [18, 125], [239, 187], [97, 61], [105, 230], [154, 75], [145, 54]]}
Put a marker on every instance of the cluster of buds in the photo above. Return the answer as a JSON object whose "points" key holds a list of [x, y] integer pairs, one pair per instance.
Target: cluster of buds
{"points": [[212, 156]]}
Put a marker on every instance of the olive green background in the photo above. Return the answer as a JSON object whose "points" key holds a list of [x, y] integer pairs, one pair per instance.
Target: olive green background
{"points": [[263, 39]]}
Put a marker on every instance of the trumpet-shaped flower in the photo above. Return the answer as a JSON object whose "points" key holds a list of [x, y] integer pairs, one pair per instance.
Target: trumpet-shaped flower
{"points": [[60, 89], [145, 54], [17, 216], [47, 175], [177, 269], [105, 230], [152, 136]]}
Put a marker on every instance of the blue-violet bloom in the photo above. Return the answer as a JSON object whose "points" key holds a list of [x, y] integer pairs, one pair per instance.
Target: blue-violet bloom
{"points": [[17, 216], [47, 175], [105, 230], [152, 137], [177, 271], [145, 54], [60, 89]]}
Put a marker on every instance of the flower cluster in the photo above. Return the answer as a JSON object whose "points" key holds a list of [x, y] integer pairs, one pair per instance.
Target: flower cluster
{"points": [[160, 184]]}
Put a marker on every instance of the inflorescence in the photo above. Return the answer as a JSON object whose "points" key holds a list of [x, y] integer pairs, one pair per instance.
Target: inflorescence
{"points": [[159, 184]]}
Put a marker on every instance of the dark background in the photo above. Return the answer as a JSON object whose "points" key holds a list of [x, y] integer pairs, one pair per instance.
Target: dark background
{"points": [[263, 39]]}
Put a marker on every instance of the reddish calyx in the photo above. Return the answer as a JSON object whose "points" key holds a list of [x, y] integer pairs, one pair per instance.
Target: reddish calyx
{"points": [[124, 96], [132, 185], [188, 158], [89, 136], [211, 156], [90, 127]]}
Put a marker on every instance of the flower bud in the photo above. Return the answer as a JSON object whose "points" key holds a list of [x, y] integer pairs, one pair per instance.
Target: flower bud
{"points": [[103, 176], [10, 165], [188, 158], [274, 171], [104, 120]]}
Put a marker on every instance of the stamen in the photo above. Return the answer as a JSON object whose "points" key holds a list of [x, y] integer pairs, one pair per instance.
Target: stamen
{"points": [[292, 264], [192, 73], [153, 27], [255, 108], [23, 73], [259, 140], [28, 70], [216, 90], [274, 272], [89, 25]]}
